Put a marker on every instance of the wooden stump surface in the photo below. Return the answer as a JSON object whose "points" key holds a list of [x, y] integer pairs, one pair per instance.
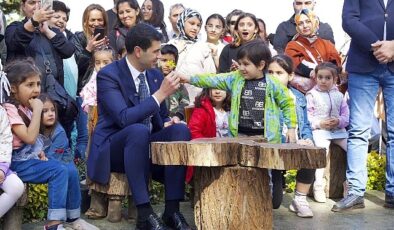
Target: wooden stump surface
{"points": [[118, 185], [232, 198], [335, 172], [237, 151]]}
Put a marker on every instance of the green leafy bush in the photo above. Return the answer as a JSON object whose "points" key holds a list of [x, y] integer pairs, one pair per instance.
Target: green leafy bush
{"points": [[37, 206], [376, 164], [290, 178]]}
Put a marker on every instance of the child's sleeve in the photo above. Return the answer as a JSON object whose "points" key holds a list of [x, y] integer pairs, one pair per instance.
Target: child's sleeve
{"points": [[285, 102], [13, 115], [219, 81], [311, 109], [343, 114], [197, 123], [59, 148], [5, 142]]}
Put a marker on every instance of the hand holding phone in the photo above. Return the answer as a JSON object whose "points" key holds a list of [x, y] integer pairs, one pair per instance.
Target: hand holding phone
{"points": [[99, 30]]}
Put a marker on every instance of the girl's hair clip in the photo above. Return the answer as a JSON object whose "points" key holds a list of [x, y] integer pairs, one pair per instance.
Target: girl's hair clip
{"points": [[4, 85]]}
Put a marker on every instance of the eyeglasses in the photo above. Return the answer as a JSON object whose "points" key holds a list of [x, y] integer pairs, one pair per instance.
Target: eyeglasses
{"points": [[233, 23], [212, 27]]}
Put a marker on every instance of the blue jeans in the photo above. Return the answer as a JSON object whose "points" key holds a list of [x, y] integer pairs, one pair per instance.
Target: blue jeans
{"points": [[64, 196], [82, 129], [363, 89]]}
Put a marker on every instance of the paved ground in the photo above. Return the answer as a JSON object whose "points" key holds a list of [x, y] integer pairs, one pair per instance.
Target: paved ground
{"points": [[374, 216]]}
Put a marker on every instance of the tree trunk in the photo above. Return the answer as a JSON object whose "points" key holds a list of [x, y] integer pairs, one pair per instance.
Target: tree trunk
{"points": [[335, 172], [232, 198]]}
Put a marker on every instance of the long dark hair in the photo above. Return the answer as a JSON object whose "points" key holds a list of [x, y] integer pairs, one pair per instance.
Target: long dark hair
{"points": [[157, 18], [46, 98], [134, 5], [206, 93]]}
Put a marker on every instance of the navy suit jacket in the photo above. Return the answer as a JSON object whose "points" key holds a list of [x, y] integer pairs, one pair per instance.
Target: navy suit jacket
{"points": [[118, 107], [364, 21]]}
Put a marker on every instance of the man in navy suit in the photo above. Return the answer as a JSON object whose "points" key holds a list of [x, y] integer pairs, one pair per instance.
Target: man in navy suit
{"points": [[131, 111], [370, 65]]}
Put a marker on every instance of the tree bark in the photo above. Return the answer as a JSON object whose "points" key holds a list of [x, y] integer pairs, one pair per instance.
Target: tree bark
{"points": [[335, 172], [232, 198]]}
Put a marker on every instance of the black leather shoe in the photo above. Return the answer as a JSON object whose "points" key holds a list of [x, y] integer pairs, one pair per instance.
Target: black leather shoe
{"points": [[350, 202], [177, 221], [388, 201], [152, 223]]}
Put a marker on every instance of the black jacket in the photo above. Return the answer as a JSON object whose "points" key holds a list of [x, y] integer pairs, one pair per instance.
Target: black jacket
{"points": [[287, 29], [22, 43], [83, 58]]}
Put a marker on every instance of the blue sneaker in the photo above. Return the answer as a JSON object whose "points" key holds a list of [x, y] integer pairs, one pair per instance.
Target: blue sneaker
{"points": [[350, 202]]}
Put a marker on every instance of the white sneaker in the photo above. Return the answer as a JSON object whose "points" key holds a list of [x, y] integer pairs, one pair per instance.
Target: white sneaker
{"points": [[319, 194], [81, 224], [301, 208]]}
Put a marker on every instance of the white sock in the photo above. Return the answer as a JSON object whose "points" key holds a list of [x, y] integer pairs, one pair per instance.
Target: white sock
{"points": [[13, 189], [298, 196]]}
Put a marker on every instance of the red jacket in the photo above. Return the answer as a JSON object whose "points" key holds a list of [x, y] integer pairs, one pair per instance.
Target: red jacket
{"points": [[202, 122]]}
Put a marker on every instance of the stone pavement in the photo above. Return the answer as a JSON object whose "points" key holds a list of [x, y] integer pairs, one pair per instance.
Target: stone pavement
{"points": [[374, 216]]}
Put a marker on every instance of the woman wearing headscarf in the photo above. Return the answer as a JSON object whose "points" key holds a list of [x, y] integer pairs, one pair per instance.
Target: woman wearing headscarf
{"points": [[189, 25], [307, 49]]}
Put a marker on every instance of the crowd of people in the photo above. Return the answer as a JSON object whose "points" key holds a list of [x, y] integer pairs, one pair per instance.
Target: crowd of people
{"points": [[132, 77]]}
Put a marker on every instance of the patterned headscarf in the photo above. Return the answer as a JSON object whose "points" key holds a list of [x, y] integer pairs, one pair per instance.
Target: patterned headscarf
{"points": [[312, 16], [183, 17]]}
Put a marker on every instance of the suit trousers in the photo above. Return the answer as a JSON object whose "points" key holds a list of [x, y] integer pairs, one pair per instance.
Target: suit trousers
{"points": [[130, 154]]}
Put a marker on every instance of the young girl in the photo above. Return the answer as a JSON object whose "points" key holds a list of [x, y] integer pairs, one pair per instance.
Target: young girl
{"points": [[210, 114], [177, 102], [281, 68], [101, 57], [10, 183], [256, 99], [24, 114], [189, 25], [328, 113], [246, 29]]}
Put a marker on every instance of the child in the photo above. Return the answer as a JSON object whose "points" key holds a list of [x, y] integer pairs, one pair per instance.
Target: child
{"points": [[24, 114], [210, 115], [10, 183], [176, 102], [281, 68], [256, 99], [101, 57], [328, 113]]}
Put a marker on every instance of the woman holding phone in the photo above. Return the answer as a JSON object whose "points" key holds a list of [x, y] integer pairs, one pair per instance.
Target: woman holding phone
{"points": [[33, 37], [85, 42]]}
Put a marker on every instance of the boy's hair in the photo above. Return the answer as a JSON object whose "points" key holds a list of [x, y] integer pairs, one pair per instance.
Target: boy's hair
{"points": [[170, 49], [205, 93], [285, 62], [256, 51], [335, 70], [142, 36], [60, 6], [44, 98]]}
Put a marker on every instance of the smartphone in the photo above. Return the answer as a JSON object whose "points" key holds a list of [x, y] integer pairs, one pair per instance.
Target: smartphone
{"points": [[99, 30], [46, 3]]}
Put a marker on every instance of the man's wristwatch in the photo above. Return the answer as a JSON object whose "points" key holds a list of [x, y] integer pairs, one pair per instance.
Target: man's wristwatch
{"points": [[34, 23]]}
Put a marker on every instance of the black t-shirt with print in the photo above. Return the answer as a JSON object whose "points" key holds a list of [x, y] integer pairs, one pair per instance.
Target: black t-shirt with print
{"points": [[251, 111]]}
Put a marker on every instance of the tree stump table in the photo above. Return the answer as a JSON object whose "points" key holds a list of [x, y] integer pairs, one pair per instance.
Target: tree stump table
{"points": [[231, 176]]}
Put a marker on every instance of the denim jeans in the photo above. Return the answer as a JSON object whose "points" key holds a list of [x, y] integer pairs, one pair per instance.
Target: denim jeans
{"points": [[64, 196], [363, 89], [82, 129]]}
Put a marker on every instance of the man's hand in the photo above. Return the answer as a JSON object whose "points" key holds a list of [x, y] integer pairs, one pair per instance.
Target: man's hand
{"points": [[42, 14], [2, 176], [169, 85], [383, 51], [182, 77]]}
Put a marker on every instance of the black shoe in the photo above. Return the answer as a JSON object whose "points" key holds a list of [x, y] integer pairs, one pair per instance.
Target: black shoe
{"points": [[388, 201], [177, 221], [152, 223], [350, 202]]}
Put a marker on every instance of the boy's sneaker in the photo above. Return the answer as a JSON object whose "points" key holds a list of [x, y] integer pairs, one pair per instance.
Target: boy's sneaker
{"points": [[301, 208], [319, 194], [81, 224], [55, 227], [388, 201]]}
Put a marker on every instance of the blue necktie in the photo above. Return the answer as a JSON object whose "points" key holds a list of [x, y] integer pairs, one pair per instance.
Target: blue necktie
{"points": [[143, 93]]}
